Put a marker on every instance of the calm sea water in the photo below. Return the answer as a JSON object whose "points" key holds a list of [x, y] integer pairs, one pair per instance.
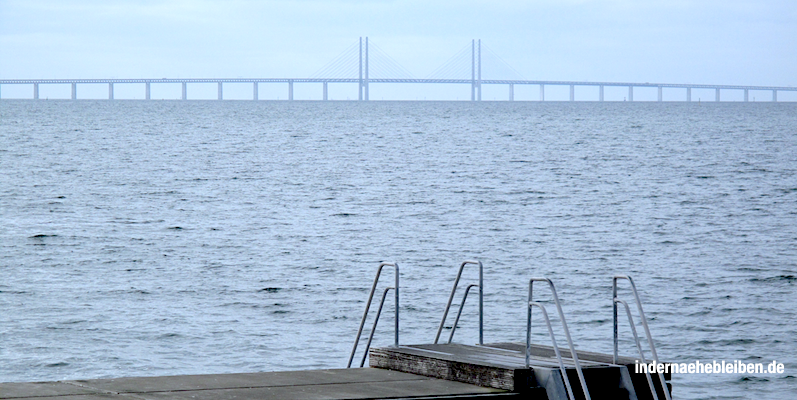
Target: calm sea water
{"points": [[165, 237]]}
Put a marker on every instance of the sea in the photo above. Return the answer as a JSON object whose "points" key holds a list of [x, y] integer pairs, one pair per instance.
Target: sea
{"points": [[142, 238]]}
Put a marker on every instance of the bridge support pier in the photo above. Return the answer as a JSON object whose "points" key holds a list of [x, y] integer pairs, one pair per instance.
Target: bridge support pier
{"points": [[367, 95], [572, 93], [600, 93], [746, 95], [147, 91], [35, 91], [774, 96], [479, 70], [542, 92], [630, 93], [74, 91], [254, 91], [185, 91], [660, 95], [290, 90], [688, 94], [511, 92], [326, 91], [717, 95], [110, 90], [221, 91]]}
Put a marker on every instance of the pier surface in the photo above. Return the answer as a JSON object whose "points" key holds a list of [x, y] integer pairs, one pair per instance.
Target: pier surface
{"points": [[355, 383], [502, 366]]}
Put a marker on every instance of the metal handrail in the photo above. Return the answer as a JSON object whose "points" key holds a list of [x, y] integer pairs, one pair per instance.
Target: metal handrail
{"points": [[644, 324], [373, 328], [368, 306], [638, 346], [564, 325], [451, 298], [555, 347], [459, 312]]}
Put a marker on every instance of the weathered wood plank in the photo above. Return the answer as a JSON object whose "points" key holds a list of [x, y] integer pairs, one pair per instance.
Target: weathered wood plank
{"points": [[492, 376]]}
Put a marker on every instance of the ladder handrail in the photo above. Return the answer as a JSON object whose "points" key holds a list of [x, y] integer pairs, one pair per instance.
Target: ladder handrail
{"points": [[638, 346], [644, 324], [459, 312], [451, 298], [373, 328], [555, 347], [564, 325], [368, 306]]}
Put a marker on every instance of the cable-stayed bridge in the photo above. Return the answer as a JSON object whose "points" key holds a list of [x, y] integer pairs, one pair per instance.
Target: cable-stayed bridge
{"points": [[364, 63]]}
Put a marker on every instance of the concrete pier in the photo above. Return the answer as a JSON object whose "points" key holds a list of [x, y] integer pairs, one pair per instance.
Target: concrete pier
{"points": [[147, 91], [630, 93], [502, 366], [688, 94], [221, 91], [110, 91], [366, 93], [511, 92], [290, 90], [254, 91], [185, 91], [354, 383]]}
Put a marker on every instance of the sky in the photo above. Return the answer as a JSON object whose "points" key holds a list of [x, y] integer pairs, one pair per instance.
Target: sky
{"points": [[672, 41]]}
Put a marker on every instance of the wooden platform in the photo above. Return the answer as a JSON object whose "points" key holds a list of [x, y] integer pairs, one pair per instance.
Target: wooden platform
{"points": [[502, 366], [331, 384], [451, 371]]}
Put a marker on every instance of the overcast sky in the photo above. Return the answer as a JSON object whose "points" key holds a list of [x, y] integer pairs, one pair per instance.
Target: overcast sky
{"points": [[672, 41]]}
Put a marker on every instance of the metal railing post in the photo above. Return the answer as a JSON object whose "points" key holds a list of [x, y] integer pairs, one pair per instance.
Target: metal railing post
{"points": [[614, 318], [555, 347], [368, 306], [373, 328], [638, 346], [451, 299], [459, 312], [644, 324], [564, 325]]}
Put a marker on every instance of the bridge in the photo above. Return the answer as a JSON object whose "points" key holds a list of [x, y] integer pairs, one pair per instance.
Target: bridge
{"points": [[355, 66]]}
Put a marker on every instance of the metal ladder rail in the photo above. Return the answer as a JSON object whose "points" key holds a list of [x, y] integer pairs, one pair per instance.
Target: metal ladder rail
{"points": [[564, 325], [555, 346], [373, 328], [644, 324], [451, 298], [368, 306], [638, 347], [459, 312]]}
